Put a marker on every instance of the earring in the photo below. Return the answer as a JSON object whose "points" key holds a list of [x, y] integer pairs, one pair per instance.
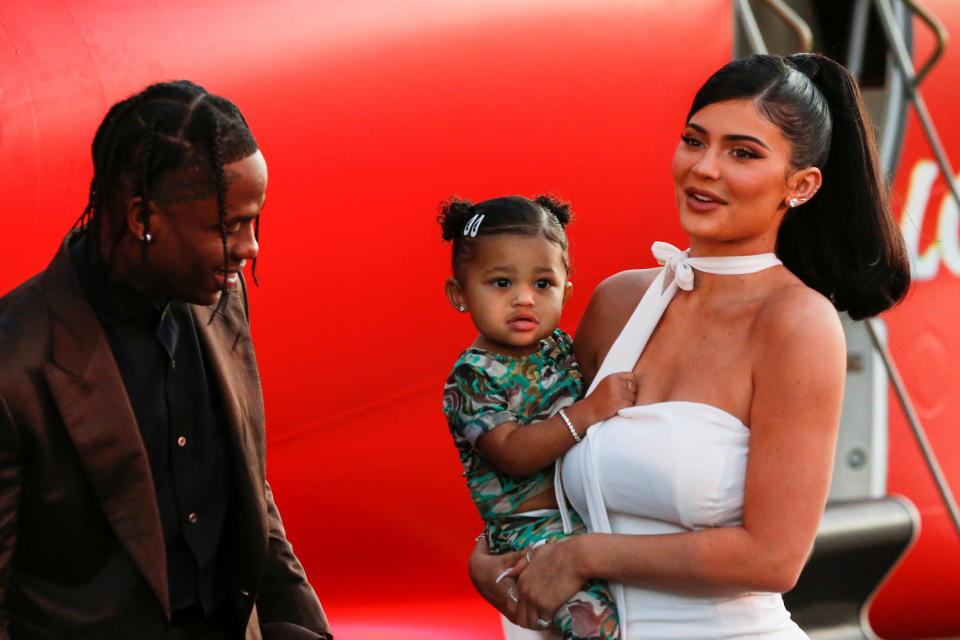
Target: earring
{"points": [[146, 238], [461, 308], [793, 202]]}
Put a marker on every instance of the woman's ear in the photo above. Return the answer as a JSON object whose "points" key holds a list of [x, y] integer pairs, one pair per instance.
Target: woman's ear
{"points": [[802, 185], [455, 294]]}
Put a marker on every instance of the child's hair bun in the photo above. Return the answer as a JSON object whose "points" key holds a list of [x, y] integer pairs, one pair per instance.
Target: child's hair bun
{"points": [[559, 208], [463, 223], [454, 213]]}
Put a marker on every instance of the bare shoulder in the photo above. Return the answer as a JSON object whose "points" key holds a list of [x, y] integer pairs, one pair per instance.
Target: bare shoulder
{"points": [[616, 295], [630, 284], [609, 308], [797, 319]]}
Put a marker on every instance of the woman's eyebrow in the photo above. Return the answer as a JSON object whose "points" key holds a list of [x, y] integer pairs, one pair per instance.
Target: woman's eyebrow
{"points": [[732, 136]]}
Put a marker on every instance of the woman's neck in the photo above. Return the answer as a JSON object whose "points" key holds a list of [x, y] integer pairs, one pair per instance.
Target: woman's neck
{"points": [[702, 248]]}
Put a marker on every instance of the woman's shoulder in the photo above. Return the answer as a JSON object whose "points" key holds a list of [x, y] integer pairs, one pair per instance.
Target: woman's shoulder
{"points": [[618, 295], [626, 287], [796, 314], [610, 307]]}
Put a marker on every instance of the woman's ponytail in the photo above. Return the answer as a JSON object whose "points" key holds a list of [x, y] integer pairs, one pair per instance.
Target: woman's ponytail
{"points": [[845, 242]]}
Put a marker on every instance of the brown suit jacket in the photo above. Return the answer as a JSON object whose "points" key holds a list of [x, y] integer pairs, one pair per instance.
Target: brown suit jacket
{"points": [[81, 548]]}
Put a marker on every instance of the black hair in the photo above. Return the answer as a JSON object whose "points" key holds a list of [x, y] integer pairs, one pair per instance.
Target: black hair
{"points": [[844, 242], [166, 127], [463, 222]]}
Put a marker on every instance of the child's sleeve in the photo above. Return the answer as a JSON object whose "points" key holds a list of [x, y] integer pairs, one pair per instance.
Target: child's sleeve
{"points": [[474, 402]]}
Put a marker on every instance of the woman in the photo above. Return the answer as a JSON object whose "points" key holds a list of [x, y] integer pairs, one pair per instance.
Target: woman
{"points": [[723, 466]]}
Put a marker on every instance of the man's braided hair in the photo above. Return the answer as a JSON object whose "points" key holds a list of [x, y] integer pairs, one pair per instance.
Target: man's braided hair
{"points": [[166, 127]]}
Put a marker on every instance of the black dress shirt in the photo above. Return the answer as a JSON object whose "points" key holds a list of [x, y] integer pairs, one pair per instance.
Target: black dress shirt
{"points": [[155, 344]]}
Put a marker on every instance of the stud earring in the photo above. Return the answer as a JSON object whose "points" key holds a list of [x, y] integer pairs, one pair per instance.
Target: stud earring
{"points": [[793, 202], [146, 238], [461, 308]]}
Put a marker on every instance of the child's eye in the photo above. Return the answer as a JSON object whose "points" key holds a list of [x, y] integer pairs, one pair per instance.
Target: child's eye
{"points": [[501, 283], [543, 284]]}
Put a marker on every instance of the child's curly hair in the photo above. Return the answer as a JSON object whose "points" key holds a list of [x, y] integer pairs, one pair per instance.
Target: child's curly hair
{"points": [[463, 223]]}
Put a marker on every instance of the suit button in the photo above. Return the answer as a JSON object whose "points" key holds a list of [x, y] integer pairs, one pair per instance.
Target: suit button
{"points": [[182, 441], [192, 518]]}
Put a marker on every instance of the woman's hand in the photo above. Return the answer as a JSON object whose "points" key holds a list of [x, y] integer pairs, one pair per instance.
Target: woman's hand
{"points": [[550, 577], [494, 579]]}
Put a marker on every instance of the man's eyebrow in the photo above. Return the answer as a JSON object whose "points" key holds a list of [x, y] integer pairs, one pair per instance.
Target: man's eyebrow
{"points": [[732, 137]]}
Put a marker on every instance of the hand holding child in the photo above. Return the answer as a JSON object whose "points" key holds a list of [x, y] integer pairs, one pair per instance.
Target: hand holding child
{"points": [[615, 392]]}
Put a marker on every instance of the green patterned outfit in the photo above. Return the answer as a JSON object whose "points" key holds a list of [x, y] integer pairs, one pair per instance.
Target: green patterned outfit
{"points": [[485, 390]]}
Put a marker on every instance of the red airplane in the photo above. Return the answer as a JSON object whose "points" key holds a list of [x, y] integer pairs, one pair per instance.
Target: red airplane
{"points": [[371, 113]]}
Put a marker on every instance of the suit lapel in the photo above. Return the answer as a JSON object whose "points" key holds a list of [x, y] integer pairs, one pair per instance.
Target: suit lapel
{"points": [[89, 393], [233, 368]]}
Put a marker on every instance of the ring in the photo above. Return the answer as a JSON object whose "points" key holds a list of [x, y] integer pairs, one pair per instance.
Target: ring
{"points": [[511, 594], [528, 558], [629, 384], [543, 623]]}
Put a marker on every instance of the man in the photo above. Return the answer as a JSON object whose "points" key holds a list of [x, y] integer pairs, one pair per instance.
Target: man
{"points": [[133, 498]]}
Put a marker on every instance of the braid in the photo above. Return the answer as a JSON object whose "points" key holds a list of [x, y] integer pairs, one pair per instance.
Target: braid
{"points": [[103, 155], [216, 158], [104, 203], [256, 236], [84, 219], [144, 188]]}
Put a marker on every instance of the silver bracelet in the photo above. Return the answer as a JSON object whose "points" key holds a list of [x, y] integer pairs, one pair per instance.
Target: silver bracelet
{"points": [[573, 431]]}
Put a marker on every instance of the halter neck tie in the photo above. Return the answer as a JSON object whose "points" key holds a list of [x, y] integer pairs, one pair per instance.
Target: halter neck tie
{"points": [[683, 265]]}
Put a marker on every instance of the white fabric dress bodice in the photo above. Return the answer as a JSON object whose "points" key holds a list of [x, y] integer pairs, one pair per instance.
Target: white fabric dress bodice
{"points": [[670, 467]]}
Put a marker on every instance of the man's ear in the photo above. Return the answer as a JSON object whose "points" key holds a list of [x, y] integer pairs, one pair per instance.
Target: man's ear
{"points": [[567, 291], [137, 211], [455, 294]]}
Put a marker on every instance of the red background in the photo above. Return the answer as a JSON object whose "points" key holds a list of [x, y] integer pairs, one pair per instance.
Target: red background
{"points": [[369, 114]]}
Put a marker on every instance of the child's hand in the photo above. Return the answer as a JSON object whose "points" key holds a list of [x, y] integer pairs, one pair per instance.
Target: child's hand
{"points": [[615, 392]]}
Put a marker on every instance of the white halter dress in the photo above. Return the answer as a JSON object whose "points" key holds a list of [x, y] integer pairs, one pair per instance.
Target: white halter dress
{"points": [[669, 467]]}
